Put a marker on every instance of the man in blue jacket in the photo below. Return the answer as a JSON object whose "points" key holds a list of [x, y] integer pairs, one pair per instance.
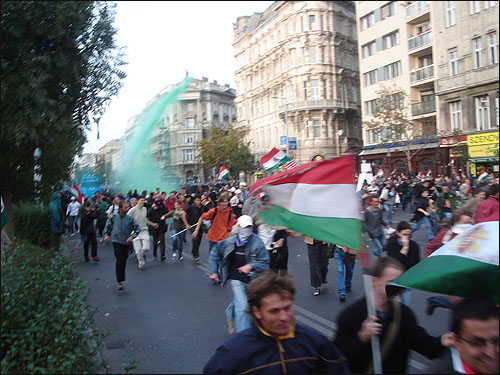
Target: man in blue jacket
{"points": [[275, 343], [238, 259], [123, 229]]}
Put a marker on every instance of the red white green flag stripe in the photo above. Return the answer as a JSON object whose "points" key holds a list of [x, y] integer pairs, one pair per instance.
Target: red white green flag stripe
{"points": [[223, 173], [77, 193], [483, 175], [317, 199], [274, 159], [466, 266]]}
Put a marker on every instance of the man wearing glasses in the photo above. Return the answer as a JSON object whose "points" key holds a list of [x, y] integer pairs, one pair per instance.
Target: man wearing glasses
{"points": [[474, 337]]}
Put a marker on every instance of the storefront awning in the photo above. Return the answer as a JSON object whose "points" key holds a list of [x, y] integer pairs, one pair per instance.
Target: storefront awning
{"points": [[484, 160], [397, 149]]}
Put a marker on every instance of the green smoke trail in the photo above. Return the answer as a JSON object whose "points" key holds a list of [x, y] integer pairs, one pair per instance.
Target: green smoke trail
{"points": [[141, 170]]}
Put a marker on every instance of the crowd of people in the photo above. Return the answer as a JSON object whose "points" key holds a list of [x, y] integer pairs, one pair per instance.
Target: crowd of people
{"points": [[253, 260]]}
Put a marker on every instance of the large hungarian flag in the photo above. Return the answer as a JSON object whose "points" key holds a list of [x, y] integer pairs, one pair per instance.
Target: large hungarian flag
{"points": [[223, 173], [274, 159], [77, 193], [317, 199], [466, 266]]}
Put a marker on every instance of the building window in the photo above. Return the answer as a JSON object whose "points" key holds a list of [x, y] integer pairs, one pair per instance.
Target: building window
{"points": [[389, 9], [482, 106], [367, 21], [474, 7], [189, 137], [322, 49], [324, 89], [453, 62], [450, 13], [316, 129], [493, 48], [489, 4], [190, 122], [188, 155], [313, 54], [305, 90], [369, 49], [315, 89], [370, 107], [392, 70], [391, 40], [477, 48], [312, 22], [370, 77], [455, 109]]}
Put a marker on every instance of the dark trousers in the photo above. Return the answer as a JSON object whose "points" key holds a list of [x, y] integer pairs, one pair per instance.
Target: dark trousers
{"points": [[90, 240], [195, 242], [101, 223], [55, 241], [278, 261], [158, 238], [406, 200], [121, 254], [318, 263]]}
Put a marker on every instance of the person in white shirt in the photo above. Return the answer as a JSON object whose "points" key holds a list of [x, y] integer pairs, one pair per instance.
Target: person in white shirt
{"points": [[141, 242], [72, 213]]}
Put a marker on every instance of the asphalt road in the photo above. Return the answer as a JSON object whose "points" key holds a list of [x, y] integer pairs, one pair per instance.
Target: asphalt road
{"points": [[170, 318]]}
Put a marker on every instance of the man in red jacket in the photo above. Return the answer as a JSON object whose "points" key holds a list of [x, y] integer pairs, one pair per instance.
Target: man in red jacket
{"points": [[488, 209]]}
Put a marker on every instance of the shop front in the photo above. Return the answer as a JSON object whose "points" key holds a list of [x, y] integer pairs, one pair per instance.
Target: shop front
{"points": [[483, 153], [454, 155]]}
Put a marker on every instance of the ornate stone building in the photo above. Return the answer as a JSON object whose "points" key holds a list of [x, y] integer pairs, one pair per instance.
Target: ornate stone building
{"points": [[297, 73]]}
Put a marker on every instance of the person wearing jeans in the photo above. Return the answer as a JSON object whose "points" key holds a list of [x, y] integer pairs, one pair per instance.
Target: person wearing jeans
{"points": [[238, 258], [345, 270], [422, 216], [374, 223], [179, 224], [122, 229]]}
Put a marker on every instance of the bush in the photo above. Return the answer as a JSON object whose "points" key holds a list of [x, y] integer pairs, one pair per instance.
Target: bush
{"points": [[46, 325], [32, 223]]}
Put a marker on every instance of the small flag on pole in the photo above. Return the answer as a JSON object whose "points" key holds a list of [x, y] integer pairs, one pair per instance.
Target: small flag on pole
{"points": [[4, 214], [223, 173], [274, 159], [484, 175], [451, 163], [77, 193], [393, 172], [420, 176], [429, 173]]}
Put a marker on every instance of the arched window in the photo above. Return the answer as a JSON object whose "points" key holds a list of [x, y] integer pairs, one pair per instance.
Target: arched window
{"points": [[425, 164], [401, 167]]}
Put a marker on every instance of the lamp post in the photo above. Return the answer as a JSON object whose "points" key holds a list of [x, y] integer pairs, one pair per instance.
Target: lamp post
{"points": [[286, 119]]}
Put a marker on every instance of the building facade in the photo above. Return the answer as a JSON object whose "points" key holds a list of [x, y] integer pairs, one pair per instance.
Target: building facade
{"points": [[297, 76], [444, 56], [467, 79]]}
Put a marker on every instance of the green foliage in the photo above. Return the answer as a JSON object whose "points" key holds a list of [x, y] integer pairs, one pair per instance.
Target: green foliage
{"points": [[46, 324], [32, 222], [59, 66], [227, 148]]}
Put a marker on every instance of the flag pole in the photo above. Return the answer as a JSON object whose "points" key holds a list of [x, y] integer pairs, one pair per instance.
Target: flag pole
{"points": [[370, 303]]}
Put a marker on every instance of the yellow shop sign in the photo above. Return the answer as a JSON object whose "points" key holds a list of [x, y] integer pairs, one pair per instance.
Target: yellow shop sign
{"points": [[482, 151], [482, 139]]}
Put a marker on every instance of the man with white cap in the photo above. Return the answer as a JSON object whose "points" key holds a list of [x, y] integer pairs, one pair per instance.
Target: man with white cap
{"points": [[236, 203], [244, 191], [72, 213], [238, 258]]}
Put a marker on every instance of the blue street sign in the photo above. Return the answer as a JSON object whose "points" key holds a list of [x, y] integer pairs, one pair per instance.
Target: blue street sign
{"points": [[283, 140], [292, 143]]}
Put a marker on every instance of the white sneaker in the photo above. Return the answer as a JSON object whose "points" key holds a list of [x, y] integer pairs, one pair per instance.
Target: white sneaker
{"points": [[181, 258], [174, 255], [119, 286]]}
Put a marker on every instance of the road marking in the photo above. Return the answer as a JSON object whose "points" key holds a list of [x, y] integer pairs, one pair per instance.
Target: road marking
{"points": [[417, 365], [327, 333], [318, 318]]}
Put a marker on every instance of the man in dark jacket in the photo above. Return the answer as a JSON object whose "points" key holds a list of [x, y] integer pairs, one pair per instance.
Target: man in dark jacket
{"points": [[194, 212], [395, 324], [374, 223], [156, 215], [87, 230], [275, 343]]}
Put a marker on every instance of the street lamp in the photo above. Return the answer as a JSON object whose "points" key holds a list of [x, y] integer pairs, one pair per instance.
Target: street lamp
{"points": [[286, 119]]}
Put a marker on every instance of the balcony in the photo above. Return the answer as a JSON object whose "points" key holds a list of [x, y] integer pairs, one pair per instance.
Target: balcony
{"points": [[305, 105], [420, 40], [422, 74], [417, 8], [423, 108]]}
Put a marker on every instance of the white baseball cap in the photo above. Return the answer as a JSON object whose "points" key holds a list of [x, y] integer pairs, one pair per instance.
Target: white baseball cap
{"points": [[237, 191], [244, 221]]}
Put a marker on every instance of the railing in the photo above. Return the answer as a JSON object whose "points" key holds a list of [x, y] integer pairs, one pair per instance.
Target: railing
{"points": [[422, 73], [416, 8], [422, 108], [316, 104], [420, 40]]}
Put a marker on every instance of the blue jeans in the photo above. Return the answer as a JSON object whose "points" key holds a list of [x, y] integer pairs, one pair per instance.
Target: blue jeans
{"points": [[388, 211], [405, 297], [378, 245], [210, 245], [236, 309], [343, 279], [177, 242], [428, 227], [446, 215]]}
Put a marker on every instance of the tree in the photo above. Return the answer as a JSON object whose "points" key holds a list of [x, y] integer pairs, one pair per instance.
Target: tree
{"points": [[59, 66], [226, 148], [390, 122]]}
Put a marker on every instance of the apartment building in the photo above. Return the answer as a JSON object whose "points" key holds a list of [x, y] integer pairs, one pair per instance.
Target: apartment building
{"points": [[467, 79], [297, 77], [395, 51], [444, 56]]}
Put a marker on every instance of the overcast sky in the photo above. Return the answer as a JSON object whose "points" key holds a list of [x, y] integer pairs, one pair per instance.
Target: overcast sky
{"points": [[163, 40]]}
